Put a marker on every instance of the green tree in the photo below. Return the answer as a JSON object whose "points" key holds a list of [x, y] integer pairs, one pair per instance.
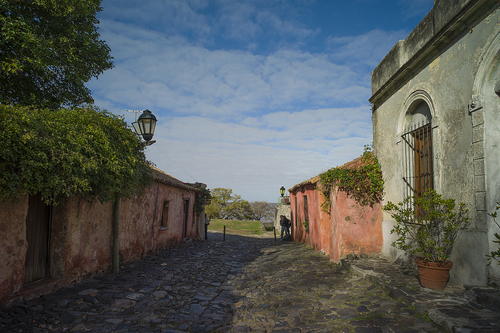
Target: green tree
{"points": [[65, 152], [239, 210], [226, 205], [48, 50], [220, 199]]}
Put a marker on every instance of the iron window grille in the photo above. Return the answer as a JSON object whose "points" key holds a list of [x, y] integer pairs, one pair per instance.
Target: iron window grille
{"points": [[418, 171]]}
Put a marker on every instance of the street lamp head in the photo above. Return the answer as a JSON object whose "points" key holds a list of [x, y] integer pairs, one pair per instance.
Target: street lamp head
{"points": [[145, 125], [282, 191]]}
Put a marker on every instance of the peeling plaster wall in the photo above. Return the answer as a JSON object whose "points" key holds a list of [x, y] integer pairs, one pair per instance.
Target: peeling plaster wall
{"points": [[81, 235], [349, 228], [458, 146], [13, 244], [358, 229]]}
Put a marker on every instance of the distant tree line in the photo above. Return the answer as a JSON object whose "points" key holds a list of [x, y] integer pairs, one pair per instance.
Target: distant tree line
{"points": [[224, 204]]}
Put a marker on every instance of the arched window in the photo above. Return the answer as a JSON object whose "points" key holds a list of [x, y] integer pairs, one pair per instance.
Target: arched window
{"points": [[418, 175]]}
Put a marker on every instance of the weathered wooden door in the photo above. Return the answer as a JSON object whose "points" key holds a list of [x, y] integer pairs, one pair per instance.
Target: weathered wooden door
{"points": [[38, 237], [186, 215], [423, 165]]}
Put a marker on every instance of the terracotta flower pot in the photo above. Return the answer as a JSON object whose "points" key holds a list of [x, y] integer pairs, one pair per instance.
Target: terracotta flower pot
{"points": [[433, 275]]}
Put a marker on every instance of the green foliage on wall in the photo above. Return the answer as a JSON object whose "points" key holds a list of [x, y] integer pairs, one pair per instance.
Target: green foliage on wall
{"points": [[364, 183], [306, 225], [66, 152], [48, 50], [495, 255], [203, 197]]}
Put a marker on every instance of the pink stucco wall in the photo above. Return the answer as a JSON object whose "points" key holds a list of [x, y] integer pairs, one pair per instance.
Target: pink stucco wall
{"points": [[81, 234], [348, 228]]}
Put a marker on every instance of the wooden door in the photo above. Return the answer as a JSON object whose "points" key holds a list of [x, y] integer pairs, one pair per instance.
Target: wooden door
{"points": [[423, 164], [38, 237]]}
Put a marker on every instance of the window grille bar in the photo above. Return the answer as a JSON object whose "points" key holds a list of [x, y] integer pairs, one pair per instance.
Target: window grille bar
{"points": [[418, 161]]}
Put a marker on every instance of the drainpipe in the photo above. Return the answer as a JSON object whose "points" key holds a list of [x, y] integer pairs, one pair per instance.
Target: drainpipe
{"points": [[115, 251]]}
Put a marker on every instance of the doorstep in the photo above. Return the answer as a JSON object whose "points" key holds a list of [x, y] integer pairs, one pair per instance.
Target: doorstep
{"points": [[456, 309]]}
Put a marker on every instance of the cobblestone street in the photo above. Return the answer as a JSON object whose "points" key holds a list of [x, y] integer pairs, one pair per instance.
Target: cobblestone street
{"points": [[242, 284]]}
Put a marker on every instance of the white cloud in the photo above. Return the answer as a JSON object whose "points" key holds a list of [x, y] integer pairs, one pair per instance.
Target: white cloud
{"points": [[235, 118], [256, 157], [368, 48], [169, 73]]}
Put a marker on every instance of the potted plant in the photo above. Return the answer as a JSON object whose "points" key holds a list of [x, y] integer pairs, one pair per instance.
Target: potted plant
{"points": [[427, 227]]}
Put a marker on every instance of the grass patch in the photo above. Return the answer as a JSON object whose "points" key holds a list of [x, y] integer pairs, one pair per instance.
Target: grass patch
{"points": [[243, 227]]}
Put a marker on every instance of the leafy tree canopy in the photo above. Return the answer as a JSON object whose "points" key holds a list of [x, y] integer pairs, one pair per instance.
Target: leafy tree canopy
{"points": [[226, 205], [48, 50], [66, 152]]}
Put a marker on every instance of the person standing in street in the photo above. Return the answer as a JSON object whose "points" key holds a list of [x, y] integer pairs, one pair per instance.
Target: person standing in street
{"points": [[283, 226]]}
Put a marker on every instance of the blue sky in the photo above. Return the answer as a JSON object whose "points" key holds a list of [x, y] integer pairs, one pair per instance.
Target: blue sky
{"points": [[250, 95]]}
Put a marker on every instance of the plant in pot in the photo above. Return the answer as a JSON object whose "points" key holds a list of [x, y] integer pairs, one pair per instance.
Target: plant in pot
{"points": [[427, 227]]}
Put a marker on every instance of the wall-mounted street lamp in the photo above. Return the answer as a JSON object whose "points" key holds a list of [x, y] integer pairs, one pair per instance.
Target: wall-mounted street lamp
{"points": [[282, 191], [145, 126]]}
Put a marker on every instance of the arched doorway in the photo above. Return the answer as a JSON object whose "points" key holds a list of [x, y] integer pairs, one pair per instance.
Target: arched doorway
{"points": [[418, 166]]}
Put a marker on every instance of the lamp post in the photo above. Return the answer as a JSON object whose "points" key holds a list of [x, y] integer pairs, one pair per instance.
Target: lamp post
{"points": [[282, 191], [145, 126]]}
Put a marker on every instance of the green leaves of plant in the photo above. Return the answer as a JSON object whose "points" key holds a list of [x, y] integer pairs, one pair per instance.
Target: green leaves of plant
{"points": [[495, 255], [48, 50], [65, 152], [427, 226], [364, 183]]}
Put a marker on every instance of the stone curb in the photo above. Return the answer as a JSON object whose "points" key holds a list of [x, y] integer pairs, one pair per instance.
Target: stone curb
{"points": [[455, 309]]}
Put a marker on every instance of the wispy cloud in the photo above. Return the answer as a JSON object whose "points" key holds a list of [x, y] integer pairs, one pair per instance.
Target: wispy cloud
{"points": [[259, 155], [236, 116], [169, 73], [368, 48]]}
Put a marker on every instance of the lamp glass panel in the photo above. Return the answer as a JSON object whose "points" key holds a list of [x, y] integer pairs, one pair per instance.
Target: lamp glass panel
{"points": [[141, 125], [147, 126], [153, 126], [137, 128]]}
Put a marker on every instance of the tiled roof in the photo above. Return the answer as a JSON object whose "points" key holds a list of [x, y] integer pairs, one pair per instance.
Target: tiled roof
{"points": [[164, 178]]}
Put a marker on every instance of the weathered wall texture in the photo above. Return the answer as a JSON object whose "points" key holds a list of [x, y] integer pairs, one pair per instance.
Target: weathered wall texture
{"points": [[12, 244], [281, 209], [447, 63], [348, 228], [81, 234]]}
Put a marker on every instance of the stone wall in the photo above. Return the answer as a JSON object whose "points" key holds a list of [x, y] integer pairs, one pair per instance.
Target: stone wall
{"points": [[81, 235], [281, 209], [451, 63]]}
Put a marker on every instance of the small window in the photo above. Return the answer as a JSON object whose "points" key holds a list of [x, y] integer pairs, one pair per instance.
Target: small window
{"points": [[164, 215]]}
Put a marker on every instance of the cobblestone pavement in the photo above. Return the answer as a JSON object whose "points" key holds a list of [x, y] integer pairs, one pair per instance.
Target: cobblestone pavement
{"points": [[240, 285]]}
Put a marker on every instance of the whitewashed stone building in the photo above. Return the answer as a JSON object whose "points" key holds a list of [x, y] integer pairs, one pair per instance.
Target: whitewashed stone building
{"points": [[436, 120]]}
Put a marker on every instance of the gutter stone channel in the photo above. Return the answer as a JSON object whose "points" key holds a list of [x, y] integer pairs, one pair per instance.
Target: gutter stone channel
{"points": [[456, 309]]}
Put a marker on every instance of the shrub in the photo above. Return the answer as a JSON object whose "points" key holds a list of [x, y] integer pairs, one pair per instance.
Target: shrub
{"points": [[363, 183], [427, 226], [66, 152], [495, 255]]}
